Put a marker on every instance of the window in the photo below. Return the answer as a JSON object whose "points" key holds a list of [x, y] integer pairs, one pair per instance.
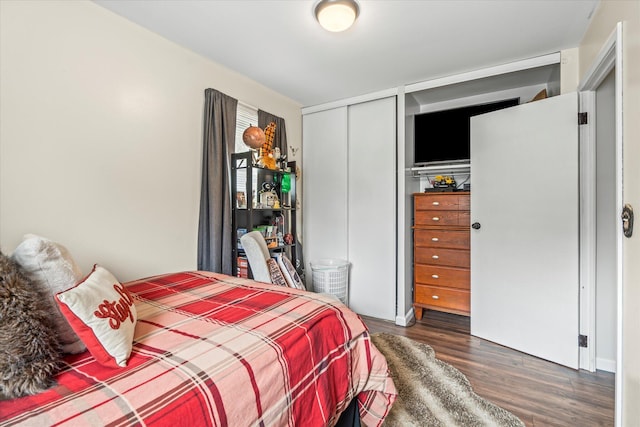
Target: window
{"points": [[246, 116]]}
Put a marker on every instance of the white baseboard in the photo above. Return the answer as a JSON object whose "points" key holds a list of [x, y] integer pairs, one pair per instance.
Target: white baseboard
{"points": [[607, 365], [407, 319]]}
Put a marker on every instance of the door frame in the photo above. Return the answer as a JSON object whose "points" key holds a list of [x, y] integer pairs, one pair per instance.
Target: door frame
{"points": [[609, 58]]}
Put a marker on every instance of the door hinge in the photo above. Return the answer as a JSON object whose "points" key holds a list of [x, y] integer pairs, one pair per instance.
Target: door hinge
{"points": [[582, 119], [582, 340]]}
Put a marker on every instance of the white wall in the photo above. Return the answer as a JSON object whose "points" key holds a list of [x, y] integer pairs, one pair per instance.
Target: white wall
{"points": [[100, 142], [569, 68], [602, 25]]}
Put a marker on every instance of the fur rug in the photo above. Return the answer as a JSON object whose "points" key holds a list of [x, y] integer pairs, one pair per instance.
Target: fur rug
{"points": [[431, 392], [29, 348]]}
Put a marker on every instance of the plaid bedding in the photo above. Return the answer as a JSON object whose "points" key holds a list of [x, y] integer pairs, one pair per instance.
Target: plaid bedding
{"points": [[214, 350]]}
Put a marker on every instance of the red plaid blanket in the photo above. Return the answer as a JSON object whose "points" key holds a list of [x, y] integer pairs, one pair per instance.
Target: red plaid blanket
{"points": [[214, 350]]}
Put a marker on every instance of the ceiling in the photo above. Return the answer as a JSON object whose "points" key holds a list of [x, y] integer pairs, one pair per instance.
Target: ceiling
{"points": [[279, 44]]}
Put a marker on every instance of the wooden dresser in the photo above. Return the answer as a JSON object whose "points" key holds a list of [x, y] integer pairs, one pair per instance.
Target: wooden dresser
{"points": [[441, 263]]}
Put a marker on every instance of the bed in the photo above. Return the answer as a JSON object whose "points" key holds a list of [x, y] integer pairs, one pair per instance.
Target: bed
{"points": [[215, 350]]}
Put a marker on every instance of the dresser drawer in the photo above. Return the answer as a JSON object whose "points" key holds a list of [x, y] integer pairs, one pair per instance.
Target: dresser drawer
{"points": [[464, 218], [444, 201], [442, 276], [441, 238], [464, 202], [457, 300], [437, 218], [440, 257]]}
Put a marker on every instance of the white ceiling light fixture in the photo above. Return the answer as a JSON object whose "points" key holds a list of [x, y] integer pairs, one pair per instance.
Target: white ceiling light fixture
{"points": [[336, 15]]}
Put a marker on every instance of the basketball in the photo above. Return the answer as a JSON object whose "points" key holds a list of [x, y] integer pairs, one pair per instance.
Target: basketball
{"points": [[253, 137]]}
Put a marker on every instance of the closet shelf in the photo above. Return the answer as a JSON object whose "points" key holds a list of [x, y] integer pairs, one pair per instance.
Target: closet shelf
{"points": [[419, 171]]}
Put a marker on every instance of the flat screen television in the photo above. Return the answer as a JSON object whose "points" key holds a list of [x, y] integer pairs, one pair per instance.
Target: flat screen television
{"points": [[443, 137]]}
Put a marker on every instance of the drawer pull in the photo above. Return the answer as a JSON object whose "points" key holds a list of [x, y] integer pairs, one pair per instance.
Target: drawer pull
{"points": [[435, 218], [436, 203], [435, 276], [435, 297], [435, 256], [434, 239]]}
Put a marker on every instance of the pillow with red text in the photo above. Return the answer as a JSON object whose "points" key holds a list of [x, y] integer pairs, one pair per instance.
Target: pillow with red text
{"points": [[103, 314]]}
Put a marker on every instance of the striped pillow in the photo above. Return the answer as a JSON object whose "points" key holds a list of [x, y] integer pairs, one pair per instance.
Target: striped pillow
{"points": [[290, 273], [277, 278]]}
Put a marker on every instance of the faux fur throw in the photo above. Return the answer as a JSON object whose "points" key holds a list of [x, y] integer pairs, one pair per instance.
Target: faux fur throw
{"points": [[29, 348], [433, 393]]}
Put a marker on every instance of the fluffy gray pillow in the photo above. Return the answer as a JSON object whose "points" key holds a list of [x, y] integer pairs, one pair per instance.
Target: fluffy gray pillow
{"points": [[51, 268], [29, 347]]}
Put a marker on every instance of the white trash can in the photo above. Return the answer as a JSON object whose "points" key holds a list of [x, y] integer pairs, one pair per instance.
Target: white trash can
{"points": [[331, 276]]}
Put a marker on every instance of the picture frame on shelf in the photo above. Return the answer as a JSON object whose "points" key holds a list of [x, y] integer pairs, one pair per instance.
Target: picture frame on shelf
{"points": [[241, 200]]}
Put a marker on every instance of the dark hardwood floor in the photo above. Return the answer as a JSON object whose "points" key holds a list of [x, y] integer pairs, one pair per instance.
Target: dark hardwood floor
{"points": [[540, 393]]}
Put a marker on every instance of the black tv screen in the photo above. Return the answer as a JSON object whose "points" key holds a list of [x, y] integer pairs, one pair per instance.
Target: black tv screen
{"points": [[443, 137]]}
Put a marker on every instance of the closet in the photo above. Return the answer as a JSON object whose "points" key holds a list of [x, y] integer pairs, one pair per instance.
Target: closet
{"points": [[359, 185], [511, 181], [521, 80], [349, 198]]}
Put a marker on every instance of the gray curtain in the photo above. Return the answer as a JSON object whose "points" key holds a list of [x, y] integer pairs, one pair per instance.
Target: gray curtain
{"points": [[280, 139], [214, 227]]}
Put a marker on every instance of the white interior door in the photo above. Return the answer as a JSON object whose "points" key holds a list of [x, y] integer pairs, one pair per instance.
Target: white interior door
{"points": [[524, 256]]}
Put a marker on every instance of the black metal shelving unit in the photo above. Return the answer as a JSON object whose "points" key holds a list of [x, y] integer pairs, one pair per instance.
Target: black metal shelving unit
{"points": [[254, 208]]}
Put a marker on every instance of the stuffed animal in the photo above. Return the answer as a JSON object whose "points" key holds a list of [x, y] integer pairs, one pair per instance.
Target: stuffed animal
{"points": [[267, 158]]}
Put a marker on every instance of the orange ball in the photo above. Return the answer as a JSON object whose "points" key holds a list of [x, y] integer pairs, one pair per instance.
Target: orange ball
{"points": [[253, 137]]}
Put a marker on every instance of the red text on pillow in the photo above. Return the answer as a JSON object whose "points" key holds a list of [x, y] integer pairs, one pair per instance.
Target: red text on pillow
{"points": [[116, 311]]}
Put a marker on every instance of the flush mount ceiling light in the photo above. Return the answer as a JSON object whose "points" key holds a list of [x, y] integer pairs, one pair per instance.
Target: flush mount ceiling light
{"points": [[336, 15]]}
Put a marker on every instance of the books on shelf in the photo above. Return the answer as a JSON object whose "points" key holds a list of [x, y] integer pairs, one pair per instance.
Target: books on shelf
{"points": [[239, 233], [243, 267]]}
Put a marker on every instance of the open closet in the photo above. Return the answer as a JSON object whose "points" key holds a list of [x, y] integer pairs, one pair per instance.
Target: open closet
{"points": [[518, 194]]}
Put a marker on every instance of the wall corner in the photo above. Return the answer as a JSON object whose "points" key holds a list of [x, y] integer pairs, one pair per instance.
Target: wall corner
{"points": [[569, 70]]}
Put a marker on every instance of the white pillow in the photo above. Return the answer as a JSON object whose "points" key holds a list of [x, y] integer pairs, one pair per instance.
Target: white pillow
{"points": [[51, 268], [103, 314]]}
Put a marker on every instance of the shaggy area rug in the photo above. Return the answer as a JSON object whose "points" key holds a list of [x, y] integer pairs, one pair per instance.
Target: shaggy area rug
{"points": [[431, 392]]}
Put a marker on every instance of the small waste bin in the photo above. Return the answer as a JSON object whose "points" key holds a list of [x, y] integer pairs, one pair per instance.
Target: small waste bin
{"points": [[331, 276]]}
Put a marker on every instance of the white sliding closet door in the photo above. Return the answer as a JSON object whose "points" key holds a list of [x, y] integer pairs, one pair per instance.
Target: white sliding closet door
{"points": [[349, 198], [372, 208], [324, 182]]}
